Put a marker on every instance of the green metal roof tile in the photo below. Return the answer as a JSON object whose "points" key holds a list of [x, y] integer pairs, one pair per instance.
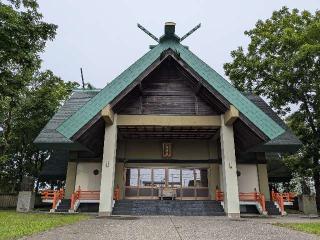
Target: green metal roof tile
{"points": [[244, 105], [106, 95]]}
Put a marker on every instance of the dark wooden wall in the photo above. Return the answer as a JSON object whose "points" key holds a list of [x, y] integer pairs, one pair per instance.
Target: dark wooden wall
{"points": [[165, 91]]}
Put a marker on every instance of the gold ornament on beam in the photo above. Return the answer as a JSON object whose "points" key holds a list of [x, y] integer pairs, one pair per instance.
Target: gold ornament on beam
{"points": [[166, 150]]}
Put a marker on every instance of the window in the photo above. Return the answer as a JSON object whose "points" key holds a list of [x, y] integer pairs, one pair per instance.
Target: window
{"points": [[174, 178], [145, 177], [132, 177], [189, 183], [159, 177], [187, 178], [201, 177]]}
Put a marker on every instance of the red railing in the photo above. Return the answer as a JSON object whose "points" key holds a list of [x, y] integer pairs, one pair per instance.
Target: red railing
{"points": [[116, 194], [281, 198], [52, 195], [90, 195], [83, 195], [277, 197], [47, 194], [262, 200], [219, 195], [58, 195], [251, 197]]}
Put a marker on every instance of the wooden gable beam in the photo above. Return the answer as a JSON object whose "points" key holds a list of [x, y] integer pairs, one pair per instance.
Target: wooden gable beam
{"points": [[107, 114], [231, 115], [161, 120]]}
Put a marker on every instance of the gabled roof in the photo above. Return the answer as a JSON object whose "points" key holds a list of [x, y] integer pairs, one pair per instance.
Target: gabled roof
{"points": [[80, 118], [49, 134], [285, 142]]}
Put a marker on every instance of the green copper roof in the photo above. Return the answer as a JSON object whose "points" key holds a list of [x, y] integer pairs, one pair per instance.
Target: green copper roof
{"points": [[73, 124]]}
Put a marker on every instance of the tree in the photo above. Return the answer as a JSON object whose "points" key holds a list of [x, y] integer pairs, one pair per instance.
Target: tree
{"points": [[282, 63], [22, 38], [28, 97], [35, 107]]}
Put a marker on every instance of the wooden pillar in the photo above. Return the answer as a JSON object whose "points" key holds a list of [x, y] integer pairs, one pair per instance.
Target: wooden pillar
{"points": [[263, 180], [70, 179], [213, 180], [108, 169], [229, 171], [119, 178]]}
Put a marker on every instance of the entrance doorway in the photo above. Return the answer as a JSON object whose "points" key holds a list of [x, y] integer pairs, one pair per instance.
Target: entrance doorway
{"points": [[147, 183]]}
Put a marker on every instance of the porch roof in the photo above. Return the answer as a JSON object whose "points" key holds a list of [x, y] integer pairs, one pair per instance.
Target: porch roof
{"points": [[49, 137]]}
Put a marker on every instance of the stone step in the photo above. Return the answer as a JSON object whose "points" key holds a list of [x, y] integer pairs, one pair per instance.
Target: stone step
{"points": [[272, 208], [168, 207], [64, 205], [62, 210]]}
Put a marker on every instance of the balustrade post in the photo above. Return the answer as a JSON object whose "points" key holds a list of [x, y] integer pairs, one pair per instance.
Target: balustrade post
{"points": [[263, 202], [272, 195]]}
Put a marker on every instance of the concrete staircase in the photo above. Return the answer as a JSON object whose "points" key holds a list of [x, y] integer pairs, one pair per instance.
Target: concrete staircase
{"points": [[272, 209], [64, 205], [168, 207]]}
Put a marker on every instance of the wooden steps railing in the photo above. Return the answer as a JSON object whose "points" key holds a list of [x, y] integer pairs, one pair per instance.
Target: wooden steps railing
{"points": [[247, 197], [58, 195], [281, 199], [90, 195], [116, 194], [83, 195], [47, 195], [53, 196]]}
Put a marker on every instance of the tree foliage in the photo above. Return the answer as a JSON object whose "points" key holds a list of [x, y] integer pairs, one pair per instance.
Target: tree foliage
{"points": [[28, 97], [282, 62], [35, 107], [23, 35]]}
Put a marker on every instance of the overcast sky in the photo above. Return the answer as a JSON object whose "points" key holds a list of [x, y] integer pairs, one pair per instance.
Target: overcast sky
{"points": [[102, 36]]}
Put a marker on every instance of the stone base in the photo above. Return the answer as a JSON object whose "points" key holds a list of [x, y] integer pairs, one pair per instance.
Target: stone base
{"points": [[233, 215], [26, 201], [104, 214], [307, 204]]}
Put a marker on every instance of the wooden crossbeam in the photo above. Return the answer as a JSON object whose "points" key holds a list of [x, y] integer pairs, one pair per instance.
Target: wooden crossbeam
{"points": [[231, 115], [107, 114], [160, 120]]}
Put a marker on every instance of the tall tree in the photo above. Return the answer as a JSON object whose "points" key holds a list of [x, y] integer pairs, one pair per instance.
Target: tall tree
{"points": [[34, 108], [28, 97], [23, 35], [282, 62]]}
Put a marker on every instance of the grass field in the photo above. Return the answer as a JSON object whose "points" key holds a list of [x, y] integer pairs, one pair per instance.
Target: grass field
{"points": [[14, 225], [303, 227]]}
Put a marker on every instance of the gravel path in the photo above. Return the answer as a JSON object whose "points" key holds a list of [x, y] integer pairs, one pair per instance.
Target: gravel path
{"points": [[176, 228]]}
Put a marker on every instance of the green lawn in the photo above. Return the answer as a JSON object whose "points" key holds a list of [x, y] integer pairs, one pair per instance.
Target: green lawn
{"points": [[14, 225], [303, 227]]}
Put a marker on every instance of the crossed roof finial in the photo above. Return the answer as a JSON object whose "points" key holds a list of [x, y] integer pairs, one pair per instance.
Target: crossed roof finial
{"points": [[169, 32]]}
